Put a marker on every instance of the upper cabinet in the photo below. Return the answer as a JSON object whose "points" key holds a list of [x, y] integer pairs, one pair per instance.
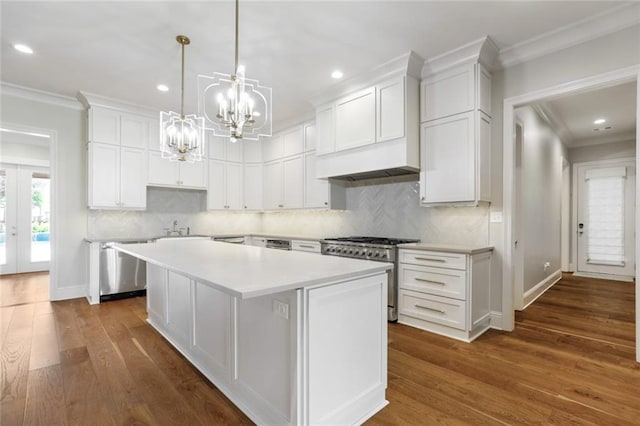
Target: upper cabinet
{"points": [[455, 134], [117, 158], [372, 129]]}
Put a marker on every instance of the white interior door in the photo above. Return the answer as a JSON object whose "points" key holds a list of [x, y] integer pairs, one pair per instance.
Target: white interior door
{"points": [[606, 219], [25, 201]]}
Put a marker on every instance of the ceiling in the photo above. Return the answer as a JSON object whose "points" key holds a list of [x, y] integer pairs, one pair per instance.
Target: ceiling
{"points": [[572, 116], [124, 49]]}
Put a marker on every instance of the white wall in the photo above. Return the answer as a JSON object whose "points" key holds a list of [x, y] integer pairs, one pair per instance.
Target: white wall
{"points": [[24, 153], [607, 151], [542, 153], [609, 53], [69, 186]]}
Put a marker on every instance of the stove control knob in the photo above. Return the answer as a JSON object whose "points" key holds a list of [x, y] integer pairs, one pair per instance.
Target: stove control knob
{"points": [[376, 254], [338, 250], [384, 255], [350, 251]]}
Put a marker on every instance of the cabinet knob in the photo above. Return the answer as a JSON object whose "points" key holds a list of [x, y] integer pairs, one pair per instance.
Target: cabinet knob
{"points": [[422, 198], [326, 203], [280, 205], [245, 207]]}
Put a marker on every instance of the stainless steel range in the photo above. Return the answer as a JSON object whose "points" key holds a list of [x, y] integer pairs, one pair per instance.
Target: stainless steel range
{"points": [[371, 248]]}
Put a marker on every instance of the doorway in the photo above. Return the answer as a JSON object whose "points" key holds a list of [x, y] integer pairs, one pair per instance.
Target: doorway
{"points": [[605, 212], [610, 79], [25, 218]]}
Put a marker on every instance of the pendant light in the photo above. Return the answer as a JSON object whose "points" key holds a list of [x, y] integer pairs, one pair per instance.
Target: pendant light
{"points": [[233, 105], [181, 136]]}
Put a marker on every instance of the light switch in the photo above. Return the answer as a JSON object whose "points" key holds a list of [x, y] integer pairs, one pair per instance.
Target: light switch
{"points": [[281, 309], [495, 217]]}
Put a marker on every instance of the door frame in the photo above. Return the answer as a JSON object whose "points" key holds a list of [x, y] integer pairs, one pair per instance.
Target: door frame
{"points": [[608, 79], [574, 202], [53, 173]]}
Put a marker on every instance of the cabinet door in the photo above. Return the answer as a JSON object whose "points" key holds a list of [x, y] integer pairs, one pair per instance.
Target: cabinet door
{"points": [[104, 125], [154, 134], [216, 197], [316, 191], [309, 137], [272, 195], [252, 151], [134, 131], [234, 185], [252, 186], [448, 160], [325, 130], [356, 120], [293, 141], [133, 177], [234, 150], [293, 178], [179, 308], [193, 174], [390, 111], [448, 93], [216, 145], [105, 175], [161, 170], [272, 148]]}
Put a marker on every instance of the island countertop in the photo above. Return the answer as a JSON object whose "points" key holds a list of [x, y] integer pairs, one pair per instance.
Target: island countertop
{"points": [[248, 271]]}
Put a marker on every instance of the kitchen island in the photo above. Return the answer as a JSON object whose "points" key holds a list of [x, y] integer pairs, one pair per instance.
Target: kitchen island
{"points": [[289, 337]]}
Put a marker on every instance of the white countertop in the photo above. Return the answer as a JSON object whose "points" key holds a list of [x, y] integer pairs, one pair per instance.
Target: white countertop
{"points": [[449, 248], [248, 271]]}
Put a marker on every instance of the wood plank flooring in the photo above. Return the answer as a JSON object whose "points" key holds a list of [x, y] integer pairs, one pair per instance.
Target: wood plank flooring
{"points": [[569, 361]]}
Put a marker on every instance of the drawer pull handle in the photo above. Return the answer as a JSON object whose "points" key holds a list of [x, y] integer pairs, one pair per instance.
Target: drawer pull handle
{"points": [[306, 246], [430, 281], [432, 259], [440, 311]]}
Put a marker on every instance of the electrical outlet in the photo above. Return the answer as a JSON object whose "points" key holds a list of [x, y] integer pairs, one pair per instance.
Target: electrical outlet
{"points": [[546, 266], [495, 217], [281, 309]]}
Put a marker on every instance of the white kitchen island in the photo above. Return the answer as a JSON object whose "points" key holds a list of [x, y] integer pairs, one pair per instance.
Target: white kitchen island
{"points": [[289, 337]]}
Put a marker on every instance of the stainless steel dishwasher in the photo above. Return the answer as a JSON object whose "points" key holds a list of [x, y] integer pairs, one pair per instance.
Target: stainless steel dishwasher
{"points": [[121, 275]]}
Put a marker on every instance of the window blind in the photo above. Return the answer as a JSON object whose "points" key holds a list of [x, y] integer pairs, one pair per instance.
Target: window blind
{"points": [[605, 217]]}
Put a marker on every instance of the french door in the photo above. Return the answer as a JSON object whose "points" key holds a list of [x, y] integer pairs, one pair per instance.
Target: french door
{"points": [[24, 219], [606, 218]]}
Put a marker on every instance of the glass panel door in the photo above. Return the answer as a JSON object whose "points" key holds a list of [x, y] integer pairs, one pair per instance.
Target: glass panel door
{"points": [[8, 223], [40, 217]]}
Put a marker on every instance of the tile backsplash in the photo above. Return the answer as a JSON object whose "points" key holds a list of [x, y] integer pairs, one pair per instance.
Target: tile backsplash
{"points": [[387, 209]]}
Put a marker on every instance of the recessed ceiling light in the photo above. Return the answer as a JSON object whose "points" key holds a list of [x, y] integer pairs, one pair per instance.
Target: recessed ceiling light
{"points": [[337, 74], [23, 48], [599, 121], [162, 87]]}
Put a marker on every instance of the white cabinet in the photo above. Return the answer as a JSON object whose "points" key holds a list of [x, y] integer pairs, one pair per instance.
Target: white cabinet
{"points": [[272, 195], [445, 292], [355, 120], [117, 177], [293, 141], [325, 129], [309, 136], [319, 193], [293, 182], [163, 172], [134, 131], [455, 137], [252, 186], [116, 127], [272, 148], [252, 151], [225, 185], [310, 246]]}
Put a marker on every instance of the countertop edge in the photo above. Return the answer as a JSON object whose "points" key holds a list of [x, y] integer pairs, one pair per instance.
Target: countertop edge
{"points": [[448, 248]]}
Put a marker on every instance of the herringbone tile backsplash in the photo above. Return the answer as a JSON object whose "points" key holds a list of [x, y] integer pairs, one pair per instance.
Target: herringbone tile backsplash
{"points": [[388, 209]]}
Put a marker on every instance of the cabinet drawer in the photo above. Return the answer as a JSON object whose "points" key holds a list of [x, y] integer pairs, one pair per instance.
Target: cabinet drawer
{"points": [[437, 281], [312, 246], [440, 310], [434, 258]]}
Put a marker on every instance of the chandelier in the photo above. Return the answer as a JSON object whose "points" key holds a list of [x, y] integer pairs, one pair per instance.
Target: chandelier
{"points": [[233, 105], [181, 136]]}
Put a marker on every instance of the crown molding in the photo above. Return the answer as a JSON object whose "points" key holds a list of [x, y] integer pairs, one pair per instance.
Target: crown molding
{"points": [[91, 100], [39, 96], [482, 50], [409, 64], [590, 28], [551, 117]]}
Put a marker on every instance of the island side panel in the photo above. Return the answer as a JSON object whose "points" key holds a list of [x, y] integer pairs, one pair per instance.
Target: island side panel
{"points": [[346, 341]]}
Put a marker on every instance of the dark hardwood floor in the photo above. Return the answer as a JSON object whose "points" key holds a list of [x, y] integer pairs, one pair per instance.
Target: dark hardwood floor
{"points": [[570, 360]]}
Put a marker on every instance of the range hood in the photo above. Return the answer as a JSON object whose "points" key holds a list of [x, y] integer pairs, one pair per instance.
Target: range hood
{"points": [[376, 174]]}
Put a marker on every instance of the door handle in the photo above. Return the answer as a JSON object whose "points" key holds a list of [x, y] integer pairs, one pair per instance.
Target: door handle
{"points": [[580, 228]]}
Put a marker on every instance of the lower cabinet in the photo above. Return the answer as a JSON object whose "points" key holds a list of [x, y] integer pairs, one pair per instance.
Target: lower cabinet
{"points": [[445, 293], [292, 358]]}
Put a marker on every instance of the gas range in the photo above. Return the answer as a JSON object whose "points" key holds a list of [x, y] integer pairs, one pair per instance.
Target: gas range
{"points": [[369, 248]]}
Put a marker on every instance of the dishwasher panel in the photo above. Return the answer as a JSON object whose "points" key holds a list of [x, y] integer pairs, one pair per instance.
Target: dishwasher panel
{"points": [[121, 275]]}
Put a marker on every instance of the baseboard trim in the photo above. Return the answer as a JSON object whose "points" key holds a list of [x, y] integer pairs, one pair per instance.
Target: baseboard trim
{"points": [[496, 321], [624, 278], [64, 293], [532, 294]]}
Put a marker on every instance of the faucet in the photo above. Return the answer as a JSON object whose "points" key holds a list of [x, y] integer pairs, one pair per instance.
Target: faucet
{"points": [[174, 230]]}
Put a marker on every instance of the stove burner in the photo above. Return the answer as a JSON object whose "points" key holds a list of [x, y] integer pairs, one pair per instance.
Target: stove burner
{"points": [[373, 240]]}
